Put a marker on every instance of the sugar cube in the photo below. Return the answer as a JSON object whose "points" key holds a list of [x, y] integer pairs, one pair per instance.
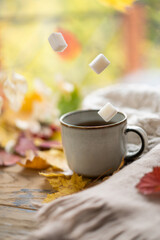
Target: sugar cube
{"points": [[99, 63], [107, 112], [57, 42]]}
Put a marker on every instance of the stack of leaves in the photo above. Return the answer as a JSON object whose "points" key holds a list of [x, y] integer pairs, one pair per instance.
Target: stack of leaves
{"points": [[30, 139], [53, 161], [41, 151], [18, 143]]}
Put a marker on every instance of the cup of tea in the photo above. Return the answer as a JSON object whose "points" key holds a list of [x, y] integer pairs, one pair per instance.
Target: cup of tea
{"points": [[94, 147]]}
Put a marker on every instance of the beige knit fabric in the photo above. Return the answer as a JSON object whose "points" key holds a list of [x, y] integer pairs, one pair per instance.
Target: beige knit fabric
{"points": [[140, 102], [111, 210]]}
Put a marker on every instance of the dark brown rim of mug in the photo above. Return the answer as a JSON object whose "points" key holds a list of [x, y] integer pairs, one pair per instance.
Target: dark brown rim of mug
{"points": [[89, 127]]}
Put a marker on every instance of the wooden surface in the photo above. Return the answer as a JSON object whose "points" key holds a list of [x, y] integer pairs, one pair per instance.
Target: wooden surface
{"points": [[19, 189]]}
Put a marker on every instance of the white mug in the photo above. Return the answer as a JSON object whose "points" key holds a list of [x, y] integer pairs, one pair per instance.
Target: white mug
{"points": [[94, 147]]}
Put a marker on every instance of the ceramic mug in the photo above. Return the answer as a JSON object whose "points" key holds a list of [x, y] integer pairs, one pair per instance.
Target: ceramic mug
{"points": [[94, 147]]}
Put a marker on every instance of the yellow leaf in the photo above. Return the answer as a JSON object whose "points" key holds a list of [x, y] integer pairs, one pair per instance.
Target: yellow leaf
{"points": [[7, 130], [66, 185], [50, 172], [6, 134], [29, 100], [55, 158], [35, 163], [57, 136], [45, 159], [117, 4]]}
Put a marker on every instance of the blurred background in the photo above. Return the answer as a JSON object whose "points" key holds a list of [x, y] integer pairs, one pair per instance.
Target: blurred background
{"points": [[129, 38]]}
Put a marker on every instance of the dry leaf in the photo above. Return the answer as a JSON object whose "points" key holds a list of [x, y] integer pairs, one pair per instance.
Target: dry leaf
{"points": [[7, 159], [44, 133], [35, 163], [46, 145], [66, 185], [9, 148], [55, 158], [50, 173], [7, 133], [24, 143], [14, 89], [20, 83], [54, 128], [29, 101], [74, 46], [150, 182], [120, 5], [9, 91], [29, 125], [43, 160]]}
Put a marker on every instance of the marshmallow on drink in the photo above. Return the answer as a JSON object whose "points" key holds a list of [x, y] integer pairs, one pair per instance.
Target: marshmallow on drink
{"points": [[99, 63], [57, 42], [107, 112]]}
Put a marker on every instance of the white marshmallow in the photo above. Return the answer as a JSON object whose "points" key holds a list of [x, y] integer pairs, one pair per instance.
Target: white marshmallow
{"points": [[99, 63], [57, 42], [107, 112]]}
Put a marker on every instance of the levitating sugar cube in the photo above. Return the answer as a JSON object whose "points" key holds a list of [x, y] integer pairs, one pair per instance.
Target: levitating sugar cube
{"points": [[57, 42], [107, 112], [99, 63]]}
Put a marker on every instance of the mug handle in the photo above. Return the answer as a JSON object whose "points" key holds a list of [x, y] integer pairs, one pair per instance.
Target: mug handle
{"points": [[144, 140]]}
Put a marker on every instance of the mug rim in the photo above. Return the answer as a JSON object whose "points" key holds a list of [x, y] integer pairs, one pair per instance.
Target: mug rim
{"points": [[90, 127]]}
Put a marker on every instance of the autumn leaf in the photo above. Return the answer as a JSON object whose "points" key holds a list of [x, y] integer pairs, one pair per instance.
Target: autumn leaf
{"points": [[48, 132], [150, 182], [51, 172], [29, 101], [120, 5], [55, 158], [55, 128], [66, 185], [46, 145], [8, 131], [45, 133], [66, 182], [74, 47], [15, 88], [24, 143], [8, 159], [34, 161], [43, 160]]}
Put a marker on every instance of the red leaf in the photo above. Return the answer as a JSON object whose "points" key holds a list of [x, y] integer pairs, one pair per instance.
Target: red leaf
{"points": [[150, 182], [8, 159], [45, 133], [46, 145], [74, 47], [24, 143], [54, 128]]}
